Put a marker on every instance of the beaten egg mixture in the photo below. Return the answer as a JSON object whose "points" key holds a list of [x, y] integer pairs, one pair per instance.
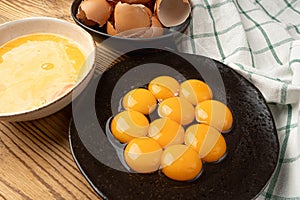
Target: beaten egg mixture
{"points": [[36, 69]]}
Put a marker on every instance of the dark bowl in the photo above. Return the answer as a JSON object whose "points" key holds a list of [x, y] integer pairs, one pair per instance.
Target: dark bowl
{"points": [[122, 44], [252, 144]]}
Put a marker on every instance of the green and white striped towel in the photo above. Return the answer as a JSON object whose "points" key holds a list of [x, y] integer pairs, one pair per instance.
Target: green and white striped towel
{"points": [[260, 39]]}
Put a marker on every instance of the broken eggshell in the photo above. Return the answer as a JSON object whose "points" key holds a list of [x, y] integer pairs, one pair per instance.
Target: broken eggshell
{"points": [[133, 20], [131, 16], [172, 12], [110, 29], [144, 25], [97, 11], [82, 17], [155, 30]]}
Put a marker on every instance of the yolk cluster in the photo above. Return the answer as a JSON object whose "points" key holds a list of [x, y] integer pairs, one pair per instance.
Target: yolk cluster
{"points": [[187, 133]]}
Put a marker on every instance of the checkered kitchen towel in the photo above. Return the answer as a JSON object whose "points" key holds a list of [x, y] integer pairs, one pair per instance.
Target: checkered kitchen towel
{"points": [[261, 40]]}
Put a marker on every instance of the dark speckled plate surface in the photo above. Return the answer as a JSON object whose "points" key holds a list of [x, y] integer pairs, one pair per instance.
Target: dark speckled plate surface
{"points": [[252, 143]]}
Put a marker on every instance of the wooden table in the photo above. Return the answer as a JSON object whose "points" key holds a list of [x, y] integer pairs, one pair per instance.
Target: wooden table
{"points": [[35, 158]]}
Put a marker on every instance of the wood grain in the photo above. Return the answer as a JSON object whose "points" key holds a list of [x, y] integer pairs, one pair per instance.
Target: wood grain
{"points": [[35, 158], [35, 161]]}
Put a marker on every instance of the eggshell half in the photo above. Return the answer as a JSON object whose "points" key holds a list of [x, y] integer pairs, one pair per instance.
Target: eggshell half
{"points": [[98, 11], [131, 16], [172, 12], [82, 17]]}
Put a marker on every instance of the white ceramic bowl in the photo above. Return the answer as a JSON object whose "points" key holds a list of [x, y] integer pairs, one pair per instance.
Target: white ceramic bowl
{"points": [[17, 28]]}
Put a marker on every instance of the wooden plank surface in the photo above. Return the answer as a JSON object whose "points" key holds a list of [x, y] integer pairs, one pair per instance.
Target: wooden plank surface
{"points": [[35, 161], [35, 158]]}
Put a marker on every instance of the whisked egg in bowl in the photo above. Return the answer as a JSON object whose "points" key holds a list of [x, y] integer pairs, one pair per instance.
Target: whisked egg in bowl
{"points": [[44, 63]]}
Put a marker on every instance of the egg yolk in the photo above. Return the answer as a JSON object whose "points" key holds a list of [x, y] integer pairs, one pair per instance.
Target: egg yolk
{"points": [[195, 91], [164, 87], [127, 125], [143, 155], [214, 113], [140, 100], [166, 132], [181, 163], [207, 141], [177, 109]]}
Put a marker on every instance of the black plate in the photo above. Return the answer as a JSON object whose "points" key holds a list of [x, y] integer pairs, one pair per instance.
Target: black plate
{"points": [[253, 145]]}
